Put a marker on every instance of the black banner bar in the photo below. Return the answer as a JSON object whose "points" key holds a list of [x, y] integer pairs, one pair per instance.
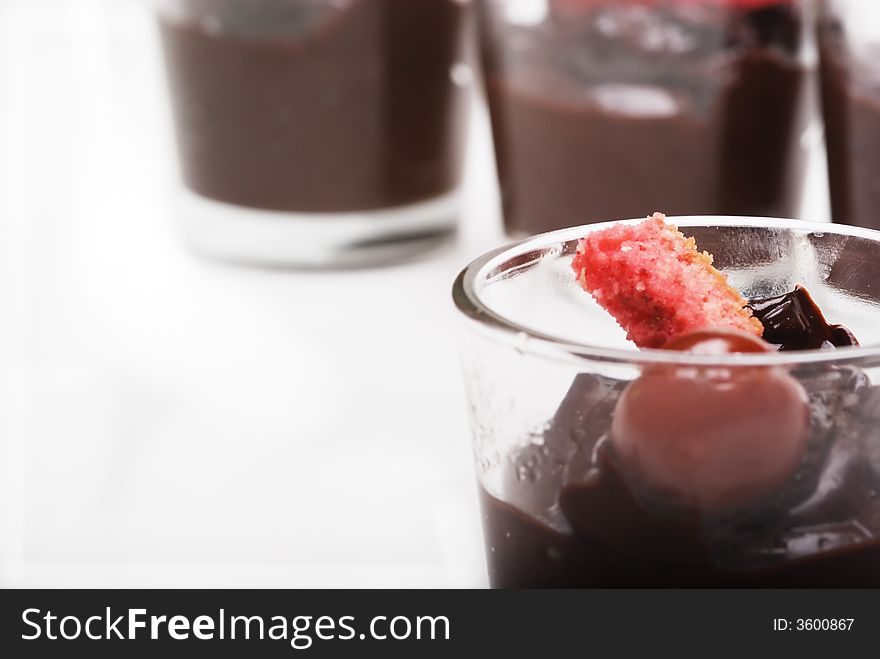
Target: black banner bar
{"points": [[342, 623]]}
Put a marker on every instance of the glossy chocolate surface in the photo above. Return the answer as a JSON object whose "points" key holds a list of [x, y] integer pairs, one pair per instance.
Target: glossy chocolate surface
{"points": [[793, 321]]}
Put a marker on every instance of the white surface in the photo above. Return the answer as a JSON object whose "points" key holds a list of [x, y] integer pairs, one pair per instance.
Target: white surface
{"points": [[169, 421]]}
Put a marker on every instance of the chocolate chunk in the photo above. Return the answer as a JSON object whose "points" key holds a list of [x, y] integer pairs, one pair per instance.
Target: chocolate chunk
{"points": [[793, 321]]}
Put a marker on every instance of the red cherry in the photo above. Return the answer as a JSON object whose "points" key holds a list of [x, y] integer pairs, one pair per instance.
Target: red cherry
{"points": [[712, 438], [718, 342]]}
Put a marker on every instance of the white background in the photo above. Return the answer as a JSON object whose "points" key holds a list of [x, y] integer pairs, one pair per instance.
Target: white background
{"points": [[170, 421]]}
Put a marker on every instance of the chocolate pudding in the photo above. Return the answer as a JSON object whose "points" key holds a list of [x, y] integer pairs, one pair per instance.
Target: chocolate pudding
{"points": [[600, 110], [317, 105], [851, 104], [573, 514]]}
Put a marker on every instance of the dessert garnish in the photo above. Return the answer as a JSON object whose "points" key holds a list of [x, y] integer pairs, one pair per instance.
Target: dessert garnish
{"points": [[793, 321], [712, 439], [657, 285]]}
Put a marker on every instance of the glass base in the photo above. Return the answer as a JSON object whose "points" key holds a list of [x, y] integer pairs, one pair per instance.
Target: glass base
{"points": [[314, 240]]}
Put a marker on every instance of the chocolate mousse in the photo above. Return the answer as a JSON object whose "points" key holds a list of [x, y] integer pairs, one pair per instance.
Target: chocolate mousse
{"points": [[574, 515], [317, 105], [601, 109]]}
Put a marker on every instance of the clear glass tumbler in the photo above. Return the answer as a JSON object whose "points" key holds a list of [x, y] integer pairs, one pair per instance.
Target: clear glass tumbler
{"points": [[849, 44], [725, 488], [602, 108], [318, 132]]}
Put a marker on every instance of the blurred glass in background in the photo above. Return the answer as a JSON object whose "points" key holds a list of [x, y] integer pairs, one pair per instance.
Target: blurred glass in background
{"points": [[323, 132], [849, 42], [604, 109]]}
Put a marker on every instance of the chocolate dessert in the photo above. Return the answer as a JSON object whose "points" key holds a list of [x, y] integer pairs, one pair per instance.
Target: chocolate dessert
{"points": [[820, 531], [690, 475], [601, 109], [317, 106], [851, 104]]}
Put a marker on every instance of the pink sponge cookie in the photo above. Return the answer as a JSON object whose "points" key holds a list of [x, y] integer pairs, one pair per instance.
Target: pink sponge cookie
{"points": [[657, 285]]}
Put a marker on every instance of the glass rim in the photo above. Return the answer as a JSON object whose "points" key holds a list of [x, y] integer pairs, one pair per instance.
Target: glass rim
{"points": [[465, 294]]}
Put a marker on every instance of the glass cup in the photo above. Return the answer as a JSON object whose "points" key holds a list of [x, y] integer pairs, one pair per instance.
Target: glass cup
{"points": [[603, 465], [602, 108], [317, 132], [849, 45]]}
